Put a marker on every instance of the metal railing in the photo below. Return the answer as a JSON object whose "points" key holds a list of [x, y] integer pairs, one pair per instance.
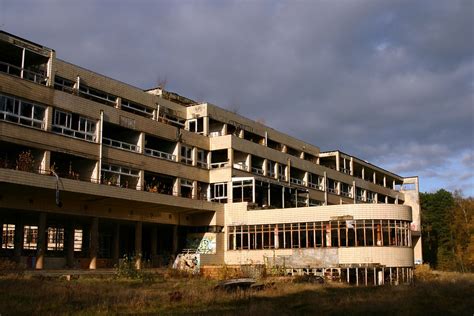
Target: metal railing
{"points": [[23, 73], [120, 144], [159, 154], [333, 190], [257, 170], [73, 133], [346, 194], [297, 181], [216, 165], [315, 186], [241, 166]]}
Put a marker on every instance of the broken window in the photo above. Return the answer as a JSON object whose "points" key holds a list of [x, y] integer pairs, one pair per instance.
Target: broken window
{"points": [[21, 112], [8, 236], [55, 239], [73, 125], [77, 239], [186, 155], [30, 237]]}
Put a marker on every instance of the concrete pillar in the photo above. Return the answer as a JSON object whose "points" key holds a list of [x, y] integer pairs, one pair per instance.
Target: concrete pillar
{"points": [[45, 162], [48, 118], [70, 245], [141, 143], [141, 180], [138, 245], [116, 243], [175, 240], [248, 162], [205, 125], [351, 166], [230, 156], [357, 276], [18, 239], [118, 103], [194, 155], [338, 161], [325, 188], [154, 241], [363, 173], [41, 246], [265, 167], [94, 243]]}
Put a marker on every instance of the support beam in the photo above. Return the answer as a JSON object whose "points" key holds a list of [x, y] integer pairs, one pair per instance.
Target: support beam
{"points": [[70, 245], [41, 246], [94, 243], [138, 245], [116, 243], [175, 240]]}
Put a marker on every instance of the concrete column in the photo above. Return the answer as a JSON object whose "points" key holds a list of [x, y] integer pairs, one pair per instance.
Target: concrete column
{"points": [[138, 245], [48, 115], [338, 161], [18, 239], [230, 156], [248, 162], [265, 167], [374, 178], [141, 143], [116, 243], [94, 243], [363, 173], [205, 125], [352, 166], [118, 103], [45, 162], [325, 188], [154, 241], [70, 245], [41, 246], [385, 181], [175, 240], [141, 180]]}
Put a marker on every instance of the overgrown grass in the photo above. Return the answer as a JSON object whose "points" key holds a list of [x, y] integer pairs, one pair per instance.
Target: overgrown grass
{"points": [[172, 293]]}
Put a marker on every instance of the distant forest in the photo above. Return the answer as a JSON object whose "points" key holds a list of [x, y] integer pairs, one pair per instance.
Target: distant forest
{"points": [[448, 230]]}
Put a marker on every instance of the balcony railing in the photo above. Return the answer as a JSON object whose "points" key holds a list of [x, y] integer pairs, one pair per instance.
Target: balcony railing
{"points": [[215, 134], [316, 186], [344, 170], [120, 144], [333, 190], [240, 166], [202, 164], [216, 165], [257, 170], [159, 154], [23, 73], [297, 181], [346, 194], [73, 133]]}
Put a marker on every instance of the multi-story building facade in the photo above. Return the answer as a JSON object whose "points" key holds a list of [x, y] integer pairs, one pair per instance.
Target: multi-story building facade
{"points": [[92, 169]]}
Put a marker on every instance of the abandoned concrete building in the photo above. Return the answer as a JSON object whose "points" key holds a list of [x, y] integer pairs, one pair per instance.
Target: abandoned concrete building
{"points": [[92, 169]]}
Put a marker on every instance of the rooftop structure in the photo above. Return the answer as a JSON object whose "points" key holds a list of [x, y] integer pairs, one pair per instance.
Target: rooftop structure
{"points": [[92, 169]]}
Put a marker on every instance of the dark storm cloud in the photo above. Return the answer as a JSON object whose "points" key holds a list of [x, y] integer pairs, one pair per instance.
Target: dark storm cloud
{"points": [[391, 82]]}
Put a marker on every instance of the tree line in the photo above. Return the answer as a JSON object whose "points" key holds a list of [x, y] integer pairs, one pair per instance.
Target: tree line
{"points": [[448, 230]]}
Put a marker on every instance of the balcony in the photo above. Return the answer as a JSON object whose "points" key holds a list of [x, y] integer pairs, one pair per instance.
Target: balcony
{"points": [[21, 112], [297, 181], [36, 77], [73, 125], [120, 176], [160, 148], [121, 145], [316, 186], [333, 190], [121, 138]]}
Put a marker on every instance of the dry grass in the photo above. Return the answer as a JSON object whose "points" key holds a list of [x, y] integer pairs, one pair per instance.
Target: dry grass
{"points": [[442, 293]]}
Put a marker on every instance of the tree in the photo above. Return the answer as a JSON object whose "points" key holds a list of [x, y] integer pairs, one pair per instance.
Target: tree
{"points": [[447, 230]]}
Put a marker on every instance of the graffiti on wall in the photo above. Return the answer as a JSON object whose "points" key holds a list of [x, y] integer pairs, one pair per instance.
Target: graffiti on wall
{"points": [[189, 262], [204, 243]]}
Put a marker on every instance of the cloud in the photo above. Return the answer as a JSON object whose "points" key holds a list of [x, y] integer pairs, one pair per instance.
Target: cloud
{"points": [[390, 82]]}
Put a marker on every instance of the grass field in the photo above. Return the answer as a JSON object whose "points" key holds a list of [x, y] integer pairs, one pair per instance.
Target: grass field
{"points": [[169, 293]]}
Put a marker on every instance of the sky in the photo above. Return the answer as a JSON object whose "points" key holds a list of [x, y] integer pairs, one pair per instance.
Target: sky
{"points": [[390, 82]]}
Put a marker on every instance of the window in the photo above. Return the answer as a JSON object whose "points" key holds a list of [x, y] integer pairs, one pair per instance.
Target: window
{"points": [[201, 158], [77, 239], [219, 192], [186, 155], [21, 112], [55, 238], [62, 119], [30, 237], [8, 236]]}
